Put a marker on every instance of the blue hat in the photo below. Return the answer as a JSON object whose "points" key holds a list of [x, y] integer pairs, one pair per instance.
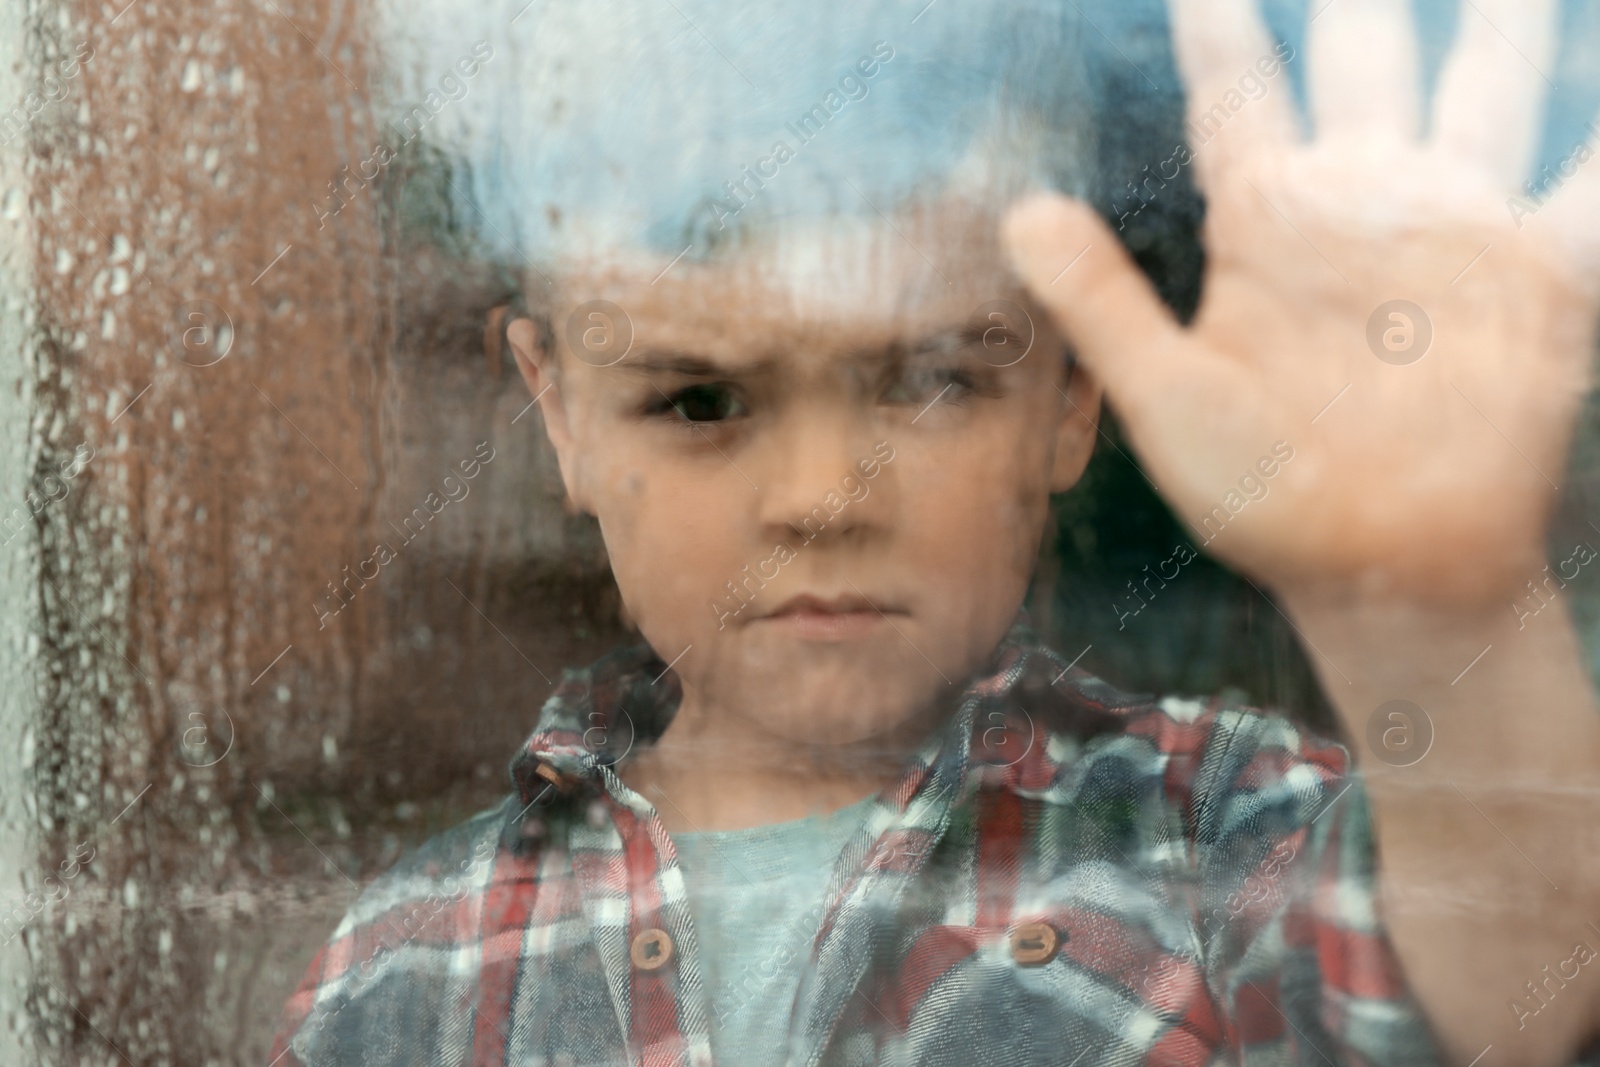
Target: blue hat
{"points": [[588, 127]]}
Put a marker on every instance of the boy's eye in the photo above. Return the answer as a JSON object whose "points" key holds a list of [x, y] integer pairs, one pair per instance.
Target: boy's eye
{"points": [[923, 385], [702, 403]]}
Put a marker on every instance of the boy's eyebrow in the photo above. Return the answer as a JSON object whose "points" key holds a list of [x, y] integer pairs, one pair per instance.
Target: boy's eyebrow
{"points": [[953, 336], [653, 360], [689, 364], [941, 341]]}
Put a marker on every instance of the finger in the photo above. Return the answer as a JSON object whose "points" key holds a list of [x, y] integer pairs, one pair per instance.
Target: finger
{"points": [[1570, 213], [1075, 267], [1363, 57], [1490, 95], [1238, 93]]}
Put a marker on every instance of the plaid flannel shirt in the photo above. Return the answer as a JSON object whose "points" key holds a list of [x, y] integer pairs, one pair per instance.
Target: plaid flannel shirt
{"points": [[1064, 875]]}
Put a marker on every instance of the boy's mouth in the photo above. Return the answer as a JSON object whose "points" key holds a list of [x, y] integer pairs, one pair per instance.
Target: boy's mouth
{"points": [[834, 618]]}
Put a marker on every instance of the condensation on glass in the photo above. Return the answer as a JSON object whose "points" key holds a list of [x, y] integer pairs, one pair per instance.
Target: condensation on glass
{"points": [[244, 282]]}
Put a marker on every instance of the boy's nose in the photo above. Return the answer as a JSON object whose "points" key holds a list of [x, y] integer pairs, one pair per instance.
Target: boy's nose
{"points": [[815, 483]]}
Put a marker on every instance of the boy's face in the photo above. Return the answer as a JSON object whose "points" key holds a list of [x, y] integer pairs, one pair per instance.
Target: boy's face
{"points": [[858, 428]]}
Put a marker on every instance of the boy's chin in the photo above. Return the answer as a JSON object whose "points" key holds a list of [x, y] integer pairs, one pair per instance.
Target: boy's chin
{"points": [[833, 695], [823, 715]]}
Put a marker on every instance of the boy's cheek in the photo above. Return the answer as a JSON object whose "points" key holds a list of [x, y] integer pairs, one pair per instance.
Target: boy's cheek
{"points": [[670, 562], [980, 530]]}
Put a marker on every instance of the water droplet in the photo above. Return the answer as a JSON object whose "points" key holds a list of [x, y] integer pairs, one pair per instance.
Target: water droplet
{"points": [[191, 76], [15, 201], [64, 261]]}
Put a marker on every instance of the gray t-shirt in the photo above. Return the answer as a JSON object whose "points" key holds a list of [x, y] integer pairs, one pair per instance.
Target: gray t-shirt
{"points": [[757, 897]]}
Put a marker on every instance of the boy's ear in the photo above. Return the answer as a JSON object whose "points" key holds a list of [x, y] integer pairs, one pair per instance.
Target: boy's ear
{"points": [[1080, 425], [538, 365]]}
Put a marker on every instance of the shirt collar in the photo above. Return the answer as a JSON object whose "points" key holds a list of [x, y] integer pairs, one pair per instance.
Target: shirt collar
{"points": [[599, 714]]}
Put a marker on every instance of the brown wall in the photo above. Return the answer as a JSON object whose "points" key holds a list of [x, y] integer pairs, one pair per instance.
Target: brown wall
{"points": [[186, 568]]}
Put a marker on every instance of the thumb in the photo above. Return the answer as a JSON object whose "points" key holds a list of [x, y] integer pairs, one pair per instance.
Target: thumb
{"points": [[1077, 269]]}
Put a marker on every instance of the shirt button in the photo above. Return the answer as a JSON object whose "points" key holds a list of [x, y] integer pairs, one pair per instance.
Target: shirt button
{"points": [[564, 783], [651, 949], [1034, 943]]}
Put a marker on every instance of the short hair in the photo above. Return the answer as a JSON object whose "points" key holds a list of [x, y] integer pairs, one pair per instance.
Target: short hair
{"points": [[604, 127]]}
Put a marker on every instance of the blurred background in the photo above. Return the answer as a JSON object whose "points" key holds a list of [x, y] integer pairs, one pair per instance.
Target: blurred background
{"points": [[270, 346]]}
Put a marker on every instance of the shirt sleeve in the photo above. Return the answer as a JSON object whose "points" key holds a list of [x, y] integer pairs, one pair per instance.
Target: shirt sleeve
{"points": [[1295, 950], [387, 987]]}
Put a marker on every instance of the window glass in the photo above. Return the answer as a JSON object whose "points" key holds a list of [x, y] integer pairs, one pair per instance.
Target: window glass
{"points": [[860, 621]]}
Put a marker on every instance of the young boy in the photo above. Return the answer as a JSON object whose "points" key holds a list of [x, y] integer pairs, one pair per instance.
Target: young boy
{"points": [[842, 808]]}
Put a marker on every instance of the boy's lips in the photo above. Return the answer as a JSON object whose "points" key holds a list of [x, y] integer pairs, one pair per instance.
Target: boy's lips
{"points": [[829, 618]]}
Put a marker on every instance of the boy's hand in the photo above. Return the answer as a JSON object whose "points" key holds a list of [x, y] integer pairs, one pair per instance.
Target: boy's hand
{"points": [[1423, 470], [1428, 441]]}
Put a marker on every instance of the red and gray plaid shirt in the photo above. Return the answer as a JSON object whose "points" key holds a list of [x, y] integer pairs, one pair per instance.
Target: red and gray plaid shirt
{"points": [[1065, 875]]}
